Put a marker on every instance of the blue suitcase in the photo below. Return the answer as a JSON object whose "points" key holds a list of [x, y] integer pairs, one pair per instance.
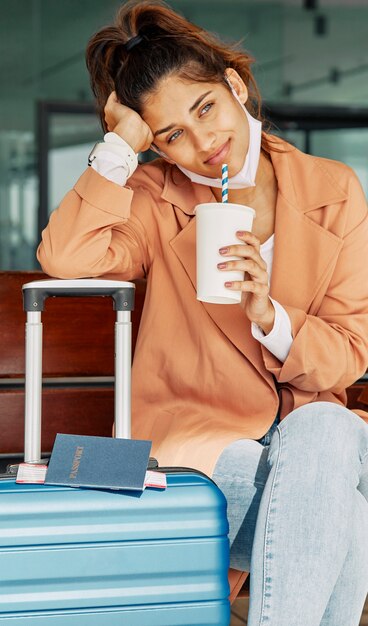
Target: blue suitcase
{"points": [[82, 557]]}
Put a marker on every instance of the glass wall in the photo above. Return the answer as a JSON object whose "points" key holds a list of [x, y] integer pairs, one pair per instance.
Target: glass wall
{"points": [[18, 200], [301, 56], [42, 59], [347, 145]]}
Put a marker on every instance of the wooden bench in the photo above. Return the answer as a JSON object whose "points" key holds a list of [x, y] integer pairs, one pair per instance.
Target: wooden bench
{"points": [[78, 369], [78, 363]]}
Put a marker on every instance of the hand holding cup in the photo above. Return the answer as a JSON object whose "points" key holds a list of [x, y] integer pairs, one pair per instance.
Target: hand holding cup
{"points": [[217, 224], [255, 283]]}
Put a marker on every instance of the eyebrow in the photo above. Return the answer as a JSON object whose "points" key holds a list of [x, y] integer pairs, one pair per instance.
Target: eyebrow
{"points": [[194, 106]]}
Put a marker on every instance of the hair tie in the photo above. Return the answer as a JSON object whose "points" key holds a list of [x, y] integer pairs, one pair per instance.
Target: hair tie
{"points": [[133, 42]]}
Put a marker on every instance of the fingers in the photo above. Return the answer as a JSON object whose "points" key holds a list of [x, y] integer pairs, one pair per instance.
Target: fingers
{"points": [[250, 241], [258, 271], [109, 110], [255, 286], [127, 123], [250, 259], [259, 289], [249, 238], [245, 251], [112, 99], [148, 139]]}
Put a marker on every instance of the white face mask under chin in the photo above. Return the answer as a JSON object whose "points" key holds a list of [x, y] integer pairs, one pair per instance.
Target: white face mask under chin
{"points": [[247, 175]]}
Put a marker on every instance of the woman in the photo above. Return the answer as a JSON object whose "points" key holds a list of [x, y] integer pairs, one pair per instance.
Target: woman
{"points": [[252, 394]]}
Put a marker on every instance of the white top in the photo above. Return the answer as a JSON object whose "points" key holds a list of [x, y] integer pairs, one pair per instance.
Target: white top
{"points": [[118, 167], [279, 339]]}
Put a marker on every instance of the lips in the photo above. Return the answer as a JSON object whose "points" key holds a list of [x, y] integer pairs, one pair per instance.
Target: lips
{"points": [[219, 155]]}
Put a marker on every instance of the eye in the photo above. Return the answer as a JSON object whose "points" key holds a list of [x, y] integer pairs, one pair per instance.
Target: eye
{"points": [[174, 136], [206, 108]]}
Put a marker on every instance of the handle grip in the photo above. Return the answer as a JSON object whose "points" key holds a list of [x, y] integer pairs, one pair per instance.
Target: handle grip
{"points": [[34, 296], [36, 292]]}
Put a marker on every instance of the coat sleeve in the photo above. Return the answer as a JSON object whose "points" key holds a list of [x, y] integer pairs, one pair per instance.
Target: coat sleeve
{"points": [[98, 229], [330, 348]]}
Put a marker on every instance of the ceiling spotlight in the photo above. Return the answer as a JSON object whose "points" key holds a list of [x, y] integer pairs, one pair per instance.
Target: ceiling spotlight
{"points": [[310, 5], [320, 25], [287, 90], [335, 75]]}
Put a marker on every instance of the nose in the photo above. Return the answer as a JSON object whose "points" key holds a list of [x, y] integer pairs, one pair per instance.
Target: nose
{"points": [[204, 140]]}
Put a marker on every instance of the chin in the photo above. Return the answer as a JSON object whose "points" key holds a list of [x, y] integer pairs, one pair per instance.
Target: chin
{"points": [[235, 168]]}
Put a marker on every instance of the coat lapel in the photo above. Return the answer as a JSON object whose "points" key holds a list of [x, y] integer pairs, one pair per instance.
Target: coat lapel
{"points": [[303, 253], [230, 319]]}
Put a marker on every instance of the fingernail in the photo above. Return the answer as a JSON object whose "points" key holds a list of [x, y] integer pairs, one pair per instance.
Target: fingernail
{"points": [[223, 250], [240, 233], [221, 266], [228, 284]]}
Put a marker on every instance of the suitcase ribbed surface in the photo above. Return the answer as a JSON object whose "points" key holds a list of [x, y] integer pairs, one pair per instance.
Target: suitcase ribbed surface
{"points": [[82, 557]]}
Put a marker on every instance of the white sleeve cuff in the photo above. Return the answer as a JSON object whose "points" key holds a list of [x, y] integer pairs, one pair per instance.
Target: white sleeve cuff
{"points": [[279, 339], [115, 159]]}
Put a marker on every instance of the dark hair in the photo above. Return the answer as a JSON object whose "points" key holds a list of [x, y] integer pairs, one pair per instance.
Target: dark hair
{"points": [[168, 44]]}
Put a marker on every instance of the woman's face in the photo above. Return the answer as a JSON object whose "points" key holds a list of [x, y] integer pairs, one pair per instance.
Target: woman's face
{"points": [[198, 125]]}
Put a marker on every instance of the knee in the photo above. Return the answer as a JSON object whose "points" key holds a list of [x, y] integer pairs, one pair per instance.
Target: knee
{"points": [[326, 426], [320, 415]]}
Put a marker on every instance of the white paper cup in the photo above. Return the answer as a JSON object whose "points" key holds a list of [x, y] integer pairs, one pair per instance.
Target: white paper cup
{"points": [[217, 224]]}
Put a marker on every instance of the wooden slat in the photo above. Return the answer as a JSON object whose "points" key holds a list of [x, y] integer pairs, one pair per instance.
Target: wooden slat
{"points": [[78, 341], [78, 332], [358, 396], [84, 411]]}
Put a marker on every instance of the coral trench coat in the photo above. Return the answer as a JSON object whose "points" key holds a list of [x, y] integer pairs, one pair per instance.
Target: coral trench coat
{"points": [[200, 380]]}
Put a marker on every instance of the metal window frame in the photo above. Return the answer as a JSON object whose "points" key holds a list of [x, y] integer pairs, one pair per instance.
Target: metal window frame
{"points": [[45, 110], [309, 118]]}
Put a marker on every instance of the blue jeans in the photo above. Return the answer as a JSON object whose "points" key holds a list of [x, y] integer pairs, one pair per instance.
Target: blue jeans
{"points": [[298, 516]]}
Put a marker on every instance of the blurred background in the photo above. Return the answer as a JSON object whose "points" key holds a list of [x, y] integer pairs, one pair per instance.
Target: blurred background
{"points": [[311, 66]]}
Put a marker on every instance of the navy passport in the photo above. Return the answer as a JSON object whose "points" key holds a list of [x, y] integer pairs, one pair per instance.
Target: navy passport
{"points": [[98, 462]]}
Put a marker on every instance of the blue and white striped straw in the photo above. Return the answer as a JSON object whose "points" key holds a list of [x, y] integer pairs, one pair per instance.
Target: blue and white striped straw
{"points": [[225, 183]]}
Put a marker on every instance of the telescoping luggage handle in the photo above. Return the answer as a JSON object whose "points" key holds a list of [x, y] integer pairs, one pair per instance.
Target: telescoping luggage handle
{"points": [[34, 296]]}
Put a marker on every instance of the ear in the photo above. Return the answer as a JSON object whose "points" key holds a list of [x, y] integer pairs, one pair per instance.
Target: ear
{"points": [[236, 82]]}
